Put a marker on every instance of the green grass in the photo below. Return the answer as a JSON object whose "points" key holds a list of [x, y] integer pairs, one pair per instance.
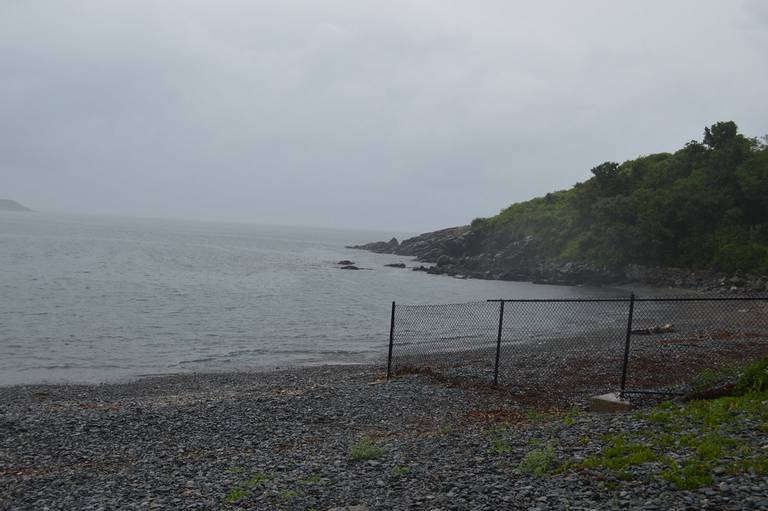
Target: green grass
{"points": [[235, 495], [753, 379], [620, 454], [365, 449], [569, 419], [240, 492], [500, 446], [400, 470], [535, 416], [538, 462], [711, 378], [698, 432], [687, 442], [688, 475], [289, 494]]}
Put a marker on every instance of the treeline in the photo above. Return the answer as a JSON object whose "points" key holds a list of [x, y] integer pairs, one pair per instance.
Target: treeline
{"points": [[704, 206]]}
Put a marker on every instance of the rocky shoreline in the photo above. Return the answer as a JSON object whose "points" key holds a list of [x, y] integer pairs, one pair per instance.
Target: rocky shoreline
{"points": [[321, 438], [466, 253]]}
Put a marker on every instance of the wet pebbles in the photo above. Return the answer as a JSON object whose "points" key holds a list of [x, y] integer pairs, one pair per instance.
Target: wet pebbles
{"points": [[282, 440]]}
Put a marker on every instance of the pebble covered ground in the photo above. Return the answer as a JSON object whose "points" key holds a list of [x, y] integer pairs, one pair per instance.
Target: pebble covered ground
{"points": [[320, 438]]}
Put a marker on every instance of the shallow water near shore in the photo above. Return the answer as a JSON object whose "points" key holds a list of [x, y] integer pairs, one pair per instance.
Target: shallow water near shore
{"points": [[90, 299]]}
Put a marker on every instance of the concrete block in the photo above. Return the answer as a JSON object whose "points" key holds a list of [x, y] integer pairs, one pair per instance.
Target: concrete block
{"points": [[609, 403]]}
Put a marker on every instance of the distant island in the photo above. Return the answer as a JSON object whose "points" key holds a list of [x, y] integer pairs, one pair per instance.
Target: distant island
{"points": [[12, 205], [695, 218]]}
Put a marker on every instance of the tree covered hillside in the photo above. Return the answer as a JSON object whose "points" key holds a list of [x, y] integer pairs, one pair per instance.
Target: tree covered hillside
{"points": [[704, 206]]}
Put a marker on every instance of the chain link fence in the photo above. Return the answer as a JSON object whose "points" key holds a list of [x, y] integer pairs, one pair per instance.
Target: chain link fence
{"points": [[573, 346]]}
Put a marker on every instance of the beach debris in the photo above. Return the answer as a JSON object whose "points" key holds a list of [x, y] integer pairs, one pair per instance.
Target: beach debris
{"points": [[346, 262], [658, 329]]}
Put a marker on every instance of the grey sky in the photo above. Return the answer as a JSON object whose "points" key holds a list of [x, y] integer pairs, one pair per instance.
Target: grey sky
{"points": [[389, 114]]}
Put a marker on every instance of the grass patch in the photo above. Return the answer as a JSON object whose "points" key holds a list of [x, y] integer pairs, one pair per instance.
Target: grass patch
{"points": [[538, 462], [235, 495], [569, 419], [239, 493], [688, 475], [711, 378], [621, 454], [689, 441], [500, 446], [753, 379], [365, 449], [538, 417], [703, 435], [289, 494], [400, 471], [757, 464]]}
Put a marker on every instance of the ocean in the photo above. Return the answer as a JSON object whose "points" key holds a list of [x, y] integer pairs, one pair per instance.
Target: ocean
{"points": [[90, 299]]}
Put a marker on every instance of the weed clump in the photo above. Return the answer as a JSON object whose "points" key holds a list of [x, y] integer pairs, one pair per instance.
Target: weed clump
{"points": [[753, 379], [365, 449], [538, 462]]}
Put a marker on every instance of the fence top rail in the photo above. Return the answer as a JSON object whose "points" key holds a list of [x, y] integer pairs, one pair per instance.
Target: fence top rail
{"points": [[647, 299], [545, 300]]}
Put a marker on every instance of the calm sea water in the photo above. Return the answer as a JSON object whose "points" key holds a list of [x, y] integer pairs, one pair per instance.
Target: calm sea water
{"points": [[85, 299]]}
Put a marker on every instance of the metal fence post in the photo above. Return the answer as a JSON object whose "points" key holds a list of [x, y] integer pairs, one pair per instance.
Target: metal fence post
{"points": [[498, 344], [391, 341], [626, 346]]}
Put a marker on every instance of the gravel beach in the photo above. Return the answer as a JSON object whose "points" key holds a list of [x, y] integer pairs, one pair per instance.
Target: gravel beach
{"points": [[283, 440]]}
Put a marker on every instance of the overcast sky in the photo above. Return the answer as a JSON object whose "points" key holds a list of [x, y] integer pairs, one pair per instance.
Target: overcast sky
{"points": [[405, 115]]}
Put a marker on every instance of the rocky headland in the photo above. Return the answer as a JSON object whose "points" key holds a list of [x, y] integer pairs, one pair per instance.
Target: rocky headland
{"points": [[12, 205], [471, 253]]}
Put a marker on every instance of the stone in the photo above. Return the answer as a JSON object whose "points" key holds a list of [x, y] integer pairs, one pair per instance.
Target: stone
{"points": [[609, 403]]}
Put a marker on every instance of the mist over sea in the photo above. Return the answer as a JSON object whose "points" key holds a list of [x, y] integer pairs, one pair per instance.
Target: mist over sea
{"points": [[89, 299]]}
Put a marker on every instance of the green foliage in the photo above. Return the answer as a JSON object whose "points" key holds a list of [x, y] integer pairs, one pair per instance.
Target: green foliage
{"points": [[240, 492], [500, 446], [753, 379], [711, 378], [719, 134], [688, 442], [620, 454], [688, 475], [704, 206], [400, 471], [235, 495], [538, 462], [535, 416], [365, 450], [569, 419]]}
